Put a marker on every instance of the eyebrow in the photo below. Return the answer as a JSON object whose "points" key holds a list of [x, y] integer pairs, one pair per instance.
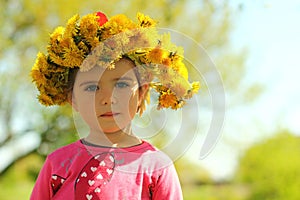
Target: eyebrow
{"points": [[88, 82], [115, 79], [123, 78]]}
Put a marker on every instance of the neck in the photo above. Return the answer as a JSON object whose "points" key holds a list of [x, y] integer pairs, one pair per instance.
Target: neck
{"points": [[120, 138]]}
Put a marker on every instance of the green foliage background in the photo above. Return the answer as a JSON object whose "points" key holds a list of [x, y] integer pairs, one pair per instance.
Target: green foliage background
{"points": [[269, 170], [25, 28]]}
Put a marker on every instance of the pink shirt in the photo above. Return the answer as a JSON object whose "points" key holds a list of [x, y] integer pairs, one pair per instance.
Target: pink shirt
{"points": [[82, 172]]}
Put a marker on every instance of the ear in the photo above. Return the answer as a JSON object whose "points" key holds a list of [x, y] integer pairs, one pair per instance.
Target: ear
{"points": [[71, 100]]}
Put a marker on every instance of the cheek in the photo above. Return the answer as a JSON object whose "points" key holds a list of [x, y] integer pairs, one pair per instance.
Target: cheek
{"points": [[85, 104], [129, 101]]}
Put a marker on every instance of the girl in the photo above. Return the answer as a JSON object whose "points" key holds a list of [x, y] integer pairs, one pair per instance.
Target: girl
{"points": [[104, 69]]}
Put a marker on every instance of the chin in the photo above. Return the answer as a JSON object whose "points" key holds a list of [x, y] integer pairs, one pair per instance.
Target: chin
{"points": [[111, 131]]}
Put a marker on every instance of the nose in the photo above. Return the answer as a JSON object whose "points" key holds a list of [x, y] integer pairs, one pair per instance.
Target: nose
{"points": [[106, 97]]}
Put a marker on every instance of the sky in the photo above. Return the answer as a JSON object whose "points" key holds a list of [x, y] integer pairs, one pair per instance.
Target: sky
{"points": [[270, 31]]}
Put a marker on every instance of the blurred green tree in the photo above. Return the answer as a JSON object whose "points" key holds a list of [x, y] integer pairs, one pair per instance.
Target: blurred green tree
{"points": [[26, 25], [25, 28], [271, 168]]}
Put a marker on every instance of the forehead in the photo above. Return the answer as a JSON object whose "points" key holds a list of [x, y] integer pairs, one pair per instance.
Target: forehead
{"points": [[123, 67]]}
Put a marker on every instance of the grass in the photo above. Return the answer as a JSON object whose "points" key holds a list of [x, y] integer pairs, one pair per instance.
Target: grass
{"points": [[215, 192]]}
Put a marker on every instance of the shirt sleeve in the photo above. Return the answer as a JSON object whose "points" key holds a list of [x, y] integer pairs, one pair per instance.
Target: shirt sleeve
{"points": [[42, 189], [168, 185]]}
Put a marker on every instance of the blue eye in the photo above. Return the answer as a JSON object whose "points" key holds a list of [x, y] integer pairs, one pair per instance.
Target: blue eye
{"points": [[122, 84], [92, 88]]}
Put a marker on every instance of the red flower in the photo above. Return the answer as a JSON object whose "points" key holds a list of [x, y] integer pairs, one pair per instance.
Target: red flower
{"points": [[102, 18]]}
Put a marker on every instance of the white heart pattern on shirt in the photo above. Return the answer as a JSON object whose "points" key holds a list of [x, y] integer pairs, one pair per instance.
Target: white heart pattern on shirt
{"points": [[102, 163], [97, 190], [56, 183], [89, 196], [91, 182], [97, 172], [99, 176], [109, 171]]}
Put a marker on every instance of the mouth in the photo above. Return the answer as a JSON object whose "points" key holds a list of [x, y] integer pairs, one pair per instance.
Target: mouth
{"points": [[109, 114]]}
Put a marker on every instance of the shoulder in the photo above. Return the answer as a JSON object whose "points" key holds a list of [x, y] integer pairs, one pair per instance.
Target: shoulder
{"points": [[65, 158], [151, 149], [155, 157], [65, 151], [147, 146]]}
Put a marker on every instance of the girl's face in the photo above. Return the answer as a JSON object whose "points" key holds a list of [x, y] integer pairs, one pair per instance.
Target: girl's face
{"points": [[108, 99]]}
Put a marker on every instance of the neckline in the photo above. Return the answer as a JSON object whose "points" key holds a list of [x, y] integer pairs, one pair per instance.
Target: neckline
{"points": [[89, 144]]}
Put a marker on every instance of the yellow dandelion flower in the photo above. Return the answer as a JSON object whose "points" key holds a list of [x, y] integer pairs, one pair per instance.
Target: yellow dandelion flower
{"points": [[105, 33], [55, 52], [82, 46], [145, 20], [144, 37], [57, 35], [45, 99], [60, 99], [180, 68], [165, 74], [195, 87], [121, 42], [41, 62], [140, 58], [115, 29], [94, 42], [104, 64], [65, 43], [38, 77], [73, 57], [56, 58], [71, 26], [167, 100], [159, 87], [55, 48], [52, 68], [166, 43], [180, 86], [157, 55], [112, 43], [175, 57], [97, 51], [117, 24], [123, 22], [89, 26], [69, 56], [52, 89], [88, 63], [167, 61]]}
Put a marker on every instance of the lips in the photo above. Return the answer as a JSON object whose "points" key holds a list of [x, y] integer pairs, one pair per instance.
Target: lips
{"points": [[109, 114]]}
